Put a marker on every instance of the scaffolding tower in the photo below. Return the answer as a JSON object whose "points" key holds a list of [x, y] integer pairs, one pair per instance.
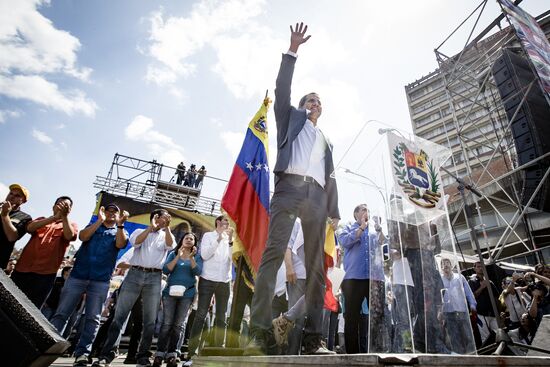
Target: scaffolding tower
{"points": [[151, 181], [483, 146]]}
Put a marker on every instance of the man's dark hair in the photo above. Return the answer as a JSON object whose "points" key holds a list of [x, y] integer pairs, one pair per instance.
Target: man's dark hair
{"points": [[304, 99], [219, 219], [358, 208], [159, 212], [61, 198]]}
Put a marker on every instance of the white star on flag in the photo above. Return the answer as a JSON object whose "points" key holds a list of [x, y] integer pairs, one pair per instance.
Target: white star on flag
{"points": [[266, 168], [249, 165], [258, 166]]}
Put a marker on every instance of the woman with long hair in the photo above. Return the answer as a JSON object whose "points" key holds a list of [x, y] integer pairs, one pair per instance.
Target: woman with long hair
{"points": [[182, 266]]}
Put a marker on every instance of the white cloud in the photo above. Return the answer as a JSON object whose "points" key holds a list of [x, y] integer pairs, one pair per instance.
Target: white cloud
{"points": [[242, 59], [160, 146], [175, 40], [31, 48], [37, 89], [5, 114], [41, 137], [233, 142]]}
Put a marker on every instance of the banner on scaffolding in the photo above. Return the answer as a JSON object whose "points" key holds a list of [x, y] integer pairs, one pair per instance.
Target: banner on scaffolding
{"points": [[532, 39]]}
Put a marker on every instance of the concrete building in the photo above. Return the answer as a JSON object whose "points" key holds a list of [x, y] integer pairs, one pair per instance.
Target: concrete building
{"points": [[459, 106]]}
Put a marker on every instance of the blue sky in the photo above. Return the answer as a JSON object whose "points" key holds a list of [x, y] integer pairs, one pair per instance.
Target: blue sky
{"points": [[83, 80]]}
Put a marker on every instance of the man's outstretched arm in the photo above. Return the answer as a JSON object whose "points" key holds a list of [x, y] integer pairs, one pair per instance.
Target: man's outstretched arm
{"points": [[284, 79]]}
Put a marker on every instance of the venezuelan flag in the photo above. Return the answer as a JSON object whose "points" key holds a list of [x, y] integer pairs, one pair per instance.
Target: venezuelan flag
{"points": [[246, 197]]}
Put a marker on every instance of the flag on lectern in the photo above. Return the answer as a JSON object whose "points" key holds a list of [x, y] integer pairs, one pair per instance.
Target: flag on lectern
{"points": [[246, 197]]}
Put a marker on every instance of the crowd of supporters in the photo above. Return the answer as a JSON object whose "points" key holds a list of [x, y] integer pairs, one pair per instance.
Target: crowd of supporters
{"points": [[392, 297]]}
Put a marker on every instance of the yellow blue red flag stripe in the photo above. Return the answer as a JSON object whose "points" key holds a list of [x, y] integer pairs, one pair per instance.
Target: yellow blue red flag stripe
{"points": [[246, 197]]}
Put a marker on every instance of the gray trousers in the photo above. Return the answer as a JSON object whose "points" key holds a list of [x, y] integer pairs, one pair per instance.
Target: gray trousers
{"points": [[296, 313], [309, 202]]}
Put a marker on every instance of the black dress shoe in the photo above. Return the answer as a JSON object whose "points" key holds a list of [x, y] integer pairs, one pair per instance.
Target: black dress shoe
{"points": [[257, 344], [130, 360]]}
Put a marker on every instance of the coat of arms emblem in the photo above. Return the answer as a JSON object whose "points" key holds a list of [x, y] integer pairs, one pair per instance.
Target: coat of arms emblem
{"points": [[417, 176], [261, 125]]}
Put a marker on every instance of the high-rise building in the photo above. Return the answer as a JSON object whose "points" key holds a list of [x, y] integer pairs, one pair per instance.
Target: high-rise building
{"points": [[459, 106]]}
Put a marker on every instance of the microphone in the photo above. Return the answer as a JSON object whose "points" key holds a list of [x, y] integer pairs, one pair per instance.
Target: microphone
{"points": [[383, 131]]}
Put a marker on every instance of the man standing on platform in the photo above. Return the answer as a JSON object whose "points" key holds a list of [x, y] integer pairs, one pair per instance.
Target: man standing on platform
{"points": [[454, 312], [304, 188], [14, 221], [151, 246], [215, 280], [91, 274], [37, 267], [481, 288]]}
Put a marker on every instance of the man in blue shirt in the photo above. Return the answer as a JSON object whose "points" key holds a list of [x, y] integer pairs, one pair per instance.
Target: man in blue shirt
{"points": [[454, 312], [357, 241], [91, 274]]}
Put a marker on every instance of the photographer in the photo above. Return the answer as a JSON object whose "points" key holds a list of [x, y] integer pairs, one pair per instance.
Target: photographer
{"points": [[512, 298], [539, 296], [481, 288]]}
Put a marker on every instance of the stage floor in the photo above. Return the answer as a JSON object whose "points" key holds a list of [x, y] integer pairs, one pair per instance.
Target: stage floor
{"points": [[342, 360]]}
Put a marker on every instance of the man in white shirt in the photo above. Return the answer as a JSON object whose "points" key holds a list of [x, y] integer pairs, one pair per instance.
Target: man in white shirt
{"points": [[215, 280], [296, 286], [304, 188], [151, 246]]}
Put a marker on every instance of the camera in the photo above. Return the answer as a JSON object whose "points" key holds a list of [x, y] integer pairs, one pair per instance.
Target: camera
{"points": [[536, 286]]}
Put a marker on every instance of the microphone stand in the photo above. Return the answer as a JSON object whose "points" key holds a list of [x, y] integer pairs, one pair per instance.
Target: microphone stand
{"points": [[502, 339]]}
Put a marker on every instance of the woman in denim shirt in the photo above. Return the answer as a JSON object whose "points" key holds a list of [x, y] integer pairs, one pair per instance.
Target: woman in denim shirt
{"points": [[182, 265]]}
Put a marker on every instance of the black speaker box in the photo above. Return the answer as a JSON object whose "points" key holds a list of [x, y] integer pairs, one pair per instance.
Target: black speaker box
{"points": [[530, 121], [26, 337]]}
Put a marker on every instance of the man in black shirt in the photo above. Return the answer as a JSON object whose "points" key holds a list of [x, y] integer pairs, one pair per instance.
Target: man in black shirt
{"points": [[14, 221], [480, 286]]}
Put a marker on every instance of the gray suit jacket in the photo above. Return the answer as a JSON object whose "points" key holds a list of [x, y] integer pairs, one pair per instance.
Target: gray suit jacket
{"points": [[290, 121]]}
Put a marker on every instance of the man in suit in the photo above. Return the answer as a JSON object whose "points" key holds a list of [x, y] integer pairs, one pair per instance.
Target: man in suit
{"points": [[304, 188]]}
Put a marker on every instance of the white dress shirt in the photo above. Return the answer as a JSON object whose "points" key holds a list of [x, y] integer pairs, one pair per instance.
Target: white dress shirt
{"points": [[151, 253], [296, 245], [216, 257], [280, 283], [401, 271], [307, 156]]}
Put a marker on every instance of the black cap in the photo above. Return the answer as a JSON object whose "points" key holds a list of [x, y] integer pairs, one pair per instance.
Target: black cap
{"points": [[112, 205]]}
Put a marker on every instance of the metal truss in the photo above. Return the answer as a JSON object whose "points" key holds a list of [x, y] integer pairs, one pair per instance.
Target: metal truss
{"points": [[472, 98], [142, 180]]}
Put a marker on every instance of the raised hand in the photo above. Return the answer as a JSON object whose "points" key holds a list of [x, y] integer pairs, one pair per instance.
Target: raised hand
{"points": [[101, 214], [230, 232], [6, 208], [121, 218], [167, 218], [154, 222], [57, 211], [298, 36], [64, 209]]}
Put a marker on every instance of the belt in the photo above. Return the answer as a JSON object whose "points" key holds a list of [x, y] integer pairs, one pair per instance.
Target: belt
{"points": [[300, 178], [147, 270]]}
